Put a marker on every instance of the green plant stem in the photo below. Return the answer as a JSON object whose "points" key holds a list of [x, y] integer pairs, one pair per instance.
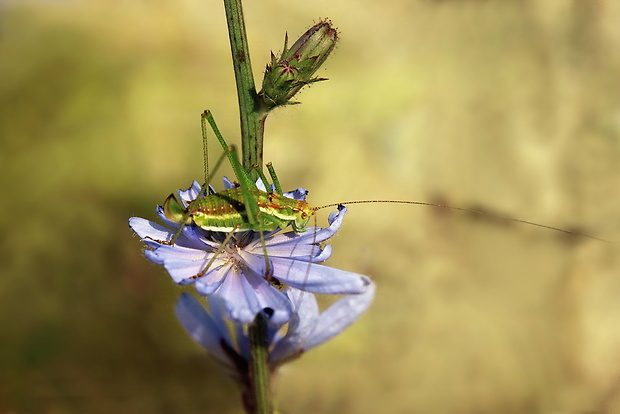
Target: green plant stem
{"points": [[252, 116], [257, 398], [259, 366]]}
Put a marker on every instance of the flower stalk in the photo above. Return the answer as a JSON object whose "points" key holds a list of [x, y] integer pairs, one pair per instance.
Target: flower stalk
{"points": [[252, 116], [252, 130], [259, 365]]}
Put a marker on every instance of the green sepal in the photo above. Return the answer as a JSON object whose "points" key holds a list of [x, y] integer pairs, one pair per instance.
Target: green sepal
{"points": [[286, 74]]}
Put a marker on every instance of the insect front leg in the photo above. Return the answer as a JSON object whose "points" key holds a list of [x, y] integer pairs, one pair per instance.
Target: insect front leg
{"points": [[219, 250]]}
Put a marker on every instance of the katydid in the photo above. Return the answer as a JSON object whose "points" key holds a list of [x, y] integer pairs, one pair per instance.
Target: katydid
{"points": [[238, 209]]}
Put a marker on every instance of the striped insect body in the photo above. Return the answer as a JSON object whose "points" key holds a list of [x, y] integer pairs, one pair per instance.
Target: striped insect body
{"points": [[226, 211]]}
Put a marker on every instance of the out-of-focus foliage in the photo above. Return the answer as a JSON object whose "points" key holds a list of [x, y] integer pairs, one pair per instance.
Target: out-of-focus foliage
{"points": [[510, 106]]}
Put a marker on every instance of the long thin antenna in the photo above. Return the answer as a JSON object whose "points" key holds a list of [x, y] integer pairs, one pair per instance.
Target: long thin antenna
{"points": [[467, 210]]}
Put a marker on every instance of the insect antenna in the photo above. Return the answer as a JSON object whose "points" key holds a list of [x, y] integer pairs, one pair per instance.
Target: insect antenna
{"points": [[467, 210]]}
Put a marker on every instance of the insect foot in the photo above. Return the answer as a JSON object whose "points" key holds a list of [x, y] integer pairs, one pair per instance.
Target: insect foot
{"points": [[231, 265]]}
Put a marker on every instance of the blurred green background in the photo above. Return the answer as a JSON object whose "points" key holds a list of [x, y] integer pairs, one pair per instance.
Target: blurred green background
{"points": [[508, 106]]}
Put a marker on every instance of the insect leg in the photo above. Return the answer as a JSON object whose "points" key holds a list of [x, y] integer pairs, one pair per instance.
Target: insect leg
{"points": [[245, 181], [203, 189], [274, 178], [219, 250], [251, 205]]}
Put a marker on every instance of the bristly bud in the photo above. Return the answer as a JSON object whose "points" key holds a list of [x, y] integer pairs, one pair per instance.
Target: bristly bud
{"points": [[293, 69]]}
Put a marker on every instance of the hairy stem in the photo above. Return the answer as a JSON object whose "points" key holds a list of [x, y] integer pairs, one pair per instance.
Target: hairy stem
{"points": [[257, 398], [252, 116], [259, 365]]}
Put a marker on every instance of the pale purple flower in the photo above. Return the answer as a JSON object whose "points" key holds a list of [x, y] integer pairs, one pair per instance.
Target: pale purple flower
{"points": [[237, 273], [307, 328]]}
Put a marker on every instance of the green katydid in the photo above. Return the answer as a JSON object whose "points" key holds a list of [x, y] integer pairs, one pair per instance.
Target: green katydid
{"points": [[238, 209]]}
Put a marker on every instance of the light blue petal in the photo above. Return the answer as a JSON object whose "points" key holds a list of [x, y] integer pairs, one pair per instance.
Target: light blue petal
{"points": [[150, 254], [160, 213], [218, 313], [254, 262], [145, 228], [232, 293], [339, 316], [246, 294], [274, 331], [313, 234], [187, 196], [182, 270], [318, 278], [205, 330], [323, 256], [210, 282], [151, 233], [300, 327], [185, 270], [299, 194], [182, 253], [269, 297], [260, 185], [337, 215], [292, 246], [304, 253], [228, 184], [195, 238]]}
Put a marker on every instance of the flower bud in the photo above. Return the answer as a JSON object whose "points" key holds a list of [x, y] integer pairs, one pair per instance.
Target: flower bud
{"points": [[293, 69]]}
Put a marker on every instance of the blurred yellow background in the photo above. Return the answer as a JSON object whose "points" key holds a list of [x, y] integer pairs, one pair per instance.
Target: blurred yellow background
{"points": [[507, 106]]}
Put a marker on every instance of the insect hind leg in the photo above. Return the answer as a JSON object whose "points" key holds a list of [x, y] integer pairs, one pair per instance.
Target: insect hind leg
{"points": [[205, 188]]}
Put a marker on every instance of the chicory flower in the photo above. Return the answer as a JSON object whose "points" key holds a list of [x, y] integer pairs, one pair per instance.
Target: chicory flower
{"points": [[237, 268]]}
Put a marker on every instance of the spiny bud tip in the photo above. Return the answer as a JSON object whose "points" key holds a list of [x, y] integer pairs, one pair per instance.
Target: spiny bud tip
{"points": [[286, 74]]}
